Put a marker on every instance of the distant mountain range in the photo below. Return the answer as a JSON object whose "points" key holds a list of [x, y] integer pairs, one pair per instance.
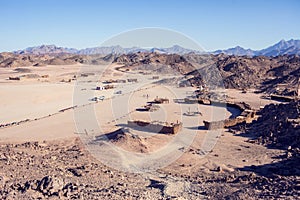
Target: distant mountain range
{"points": [[239, 51], [290, 47], [281, 48], [46, 49], [52, 49]]}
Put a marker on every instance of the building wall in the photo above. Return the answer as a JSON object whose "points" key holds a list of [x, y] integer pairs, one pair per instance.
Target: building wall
{"points": [[229, 122], [156, 128]]}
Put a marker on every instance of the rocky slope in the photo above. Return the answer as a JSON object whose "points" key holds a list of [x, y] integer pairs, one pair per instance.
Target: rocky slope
{"points": [[65, 170], [278, 126], [278, 75], [22, 60]]}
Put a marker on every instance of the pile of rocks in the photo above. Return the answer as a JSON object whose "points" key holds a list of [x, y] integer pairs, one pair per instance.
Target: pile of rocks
{"points": [[42, 170], [278, 126], [273, 75]]}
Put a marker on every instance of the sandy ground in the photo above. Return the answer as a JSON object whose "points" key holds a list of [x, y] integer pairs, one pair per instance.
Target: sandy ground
{"points": [[200, 151], [30, 101], [40, 102], [32, 98], [254, 99]]}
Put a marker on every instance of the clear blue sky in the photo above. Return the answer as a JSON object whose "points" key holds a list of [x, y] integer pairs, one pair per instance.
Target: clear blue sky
{"points": [[213, 24]]}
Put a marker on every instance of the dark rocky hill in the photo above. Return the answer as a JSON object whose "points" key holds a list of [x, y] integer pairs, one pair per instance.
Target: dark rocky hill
{"points": [[277, 75]]}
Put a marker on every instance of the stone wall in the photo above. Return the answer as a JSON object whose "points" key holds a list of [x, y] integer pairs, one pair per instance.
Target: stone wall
{"points": [[156, 127], [245, 116]]}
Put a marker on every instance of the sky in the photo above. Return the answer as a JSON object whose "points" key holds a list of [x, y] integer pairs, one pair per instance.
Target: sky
{"points": [[212, 24]]}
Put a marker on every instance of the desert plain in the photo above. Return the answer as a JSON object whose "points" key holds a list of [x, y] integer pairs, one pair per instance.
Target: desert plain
{"points": [[51, 146]]}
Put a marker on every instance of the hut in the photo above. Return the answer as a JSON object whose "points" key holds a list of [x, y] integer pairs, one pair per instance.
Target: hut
{"points": [[14, 78], [132, 80], [161, 100], [107, 87]]}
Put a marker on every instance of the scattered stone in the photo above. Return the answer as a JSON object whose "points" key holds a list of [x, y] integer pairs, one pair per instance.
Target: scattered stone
{"points": [[50, 185]]}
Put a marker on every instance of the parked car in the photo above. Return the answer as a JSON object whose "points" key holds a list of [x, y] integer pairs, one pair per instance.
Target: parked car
{"points": [[101, 98], [94, 99]]}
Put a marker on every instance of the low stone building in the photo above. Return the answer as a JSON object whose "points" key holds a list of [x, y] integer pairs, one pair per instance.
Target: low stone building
{"points": [[156, 126], [132, 80], [14, 78], [161, 100]]}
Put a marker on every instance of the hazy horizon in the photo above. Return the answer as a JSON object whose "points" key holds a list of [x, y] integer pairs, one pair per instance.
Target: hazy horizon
{"points": [[143, 47]]}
